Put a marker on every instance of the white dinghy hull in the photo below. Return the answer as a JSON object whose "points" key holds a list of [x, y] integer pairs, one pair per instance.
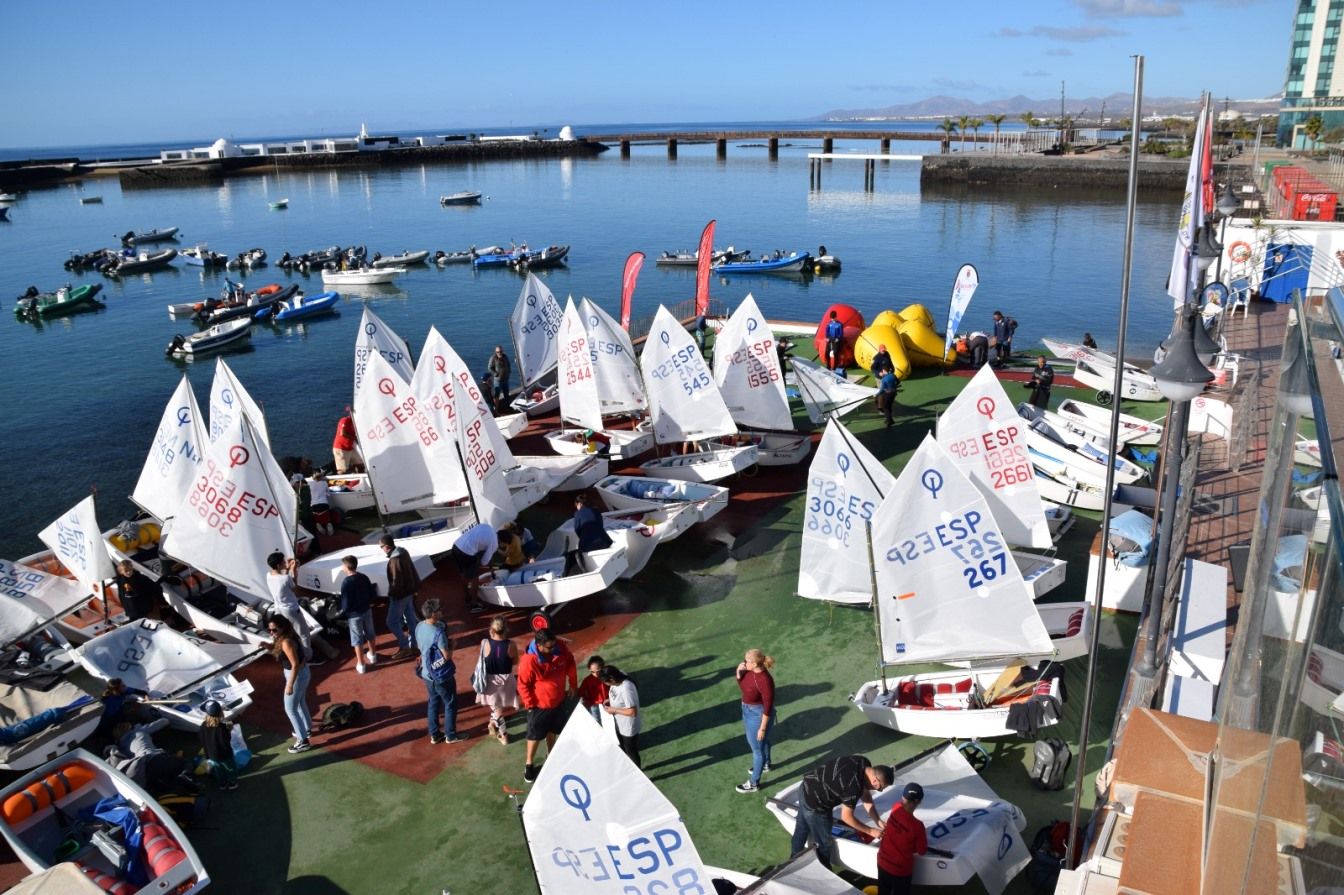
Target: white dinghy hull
{"points": [[702, 466], [542, 583], [325, 573], [948, 716], [625, 443], [649, 528], [638, 493]]}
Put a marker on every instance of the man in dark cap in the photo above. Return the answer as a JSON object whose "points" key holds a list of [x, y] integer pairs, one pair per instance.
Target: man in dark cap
{"points": [[903, 839], [843, 782]]}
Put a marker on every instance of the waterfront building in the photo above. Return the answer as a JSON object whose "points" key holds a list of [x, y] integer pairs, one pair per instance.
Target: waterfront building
{"points": [[361, 142], [1313, 85]]}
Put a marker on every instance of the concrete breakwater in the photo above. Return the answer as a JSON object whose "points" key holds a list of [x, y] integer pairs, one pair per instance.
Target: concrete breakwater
{"points": [[1063, 171]]}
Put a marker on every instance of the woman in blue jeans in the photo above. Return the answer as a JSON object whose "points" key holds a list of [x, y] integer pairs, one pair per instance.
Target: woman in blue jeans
{"points": [[288, 651], [758, 712]]}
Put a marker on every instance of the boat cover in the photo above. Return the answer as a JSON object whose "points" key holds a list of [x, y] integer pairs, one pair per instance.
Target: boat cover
{"points": [[1131, 538], [63, 879], [29, 598], [19, 703], [168, 662]]}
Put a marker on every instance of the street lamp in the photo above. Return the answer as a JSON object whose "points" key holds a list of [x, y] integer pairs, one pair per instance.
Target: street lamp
{"points": [[1181, 376], [1228, 204]]}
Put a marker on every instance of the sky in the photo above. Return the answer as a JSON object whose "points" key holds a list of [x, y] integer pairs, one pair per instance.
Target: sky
{"points": [[86, 73]]}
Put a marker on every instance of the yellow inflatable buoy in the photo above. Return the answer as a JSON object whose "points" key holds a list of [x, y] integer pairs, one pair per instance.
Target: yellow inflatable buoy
{"points": [[917, 312], [868, 343], [922, 344], [888, 318]]}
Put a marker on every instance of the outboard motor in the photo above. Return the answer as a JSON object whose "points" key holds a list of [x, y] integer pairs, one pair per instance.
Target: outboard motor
{"points": [[177, 342]]}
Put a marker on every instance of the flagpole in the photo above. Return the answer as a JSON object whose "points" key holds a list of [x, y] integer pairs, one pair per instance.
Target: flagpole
{"points": [[1089, 694]]}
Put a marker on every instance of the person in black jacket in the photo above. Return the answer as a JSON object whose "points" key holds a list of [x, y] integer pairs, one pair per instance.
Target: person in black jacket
{"points": [[1042, 378], [217, 744]]}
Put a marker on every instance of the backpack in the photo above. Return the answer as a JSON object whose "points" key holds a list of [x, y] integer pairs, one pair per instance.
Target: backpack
{"points": [[1051, 759], [340, 715], [1012, 326], [1047, 856], [186, 809]]}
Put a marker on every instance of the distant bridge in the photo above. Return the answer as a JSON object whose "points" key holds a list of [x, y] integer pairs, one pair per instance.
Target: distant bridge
{"points": [[1005, 141]]}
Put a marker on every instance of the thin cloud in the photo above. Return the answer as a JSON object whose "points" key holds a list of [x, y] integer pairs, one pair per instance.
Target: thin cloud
{"points": [[1036, 74], [953, 84], [1129, 9], [881, 88], [1081, 34]]}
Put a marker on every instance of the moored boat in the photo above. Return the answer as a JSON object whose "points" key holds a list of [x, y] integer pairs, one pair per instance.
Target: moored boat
{"points": [[36, 821], [366, 277], [279, 204], [66, 300], [134, 238], [691, 257], [256, 305], [141, 263], [91, 200], [777, 262], [443, 259], [405, 259], [465, 197], [551, 256], [302, 306], [217, 337], [248, 260], [200, 256]]}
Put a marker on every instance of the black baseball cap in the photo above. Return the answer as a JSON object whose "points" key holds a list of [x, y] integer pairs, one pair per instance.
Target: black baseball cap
{"points": [[913, 792]]}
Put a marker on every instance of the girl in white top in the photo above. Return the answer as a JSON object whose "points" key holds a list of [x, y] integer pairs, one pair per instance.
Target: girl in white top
{"points": [[623, 705]]}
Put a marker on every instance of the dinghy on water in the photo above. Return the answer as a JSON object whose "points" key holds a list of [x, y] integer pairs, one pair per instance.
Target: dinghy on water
{"points": [[971, 830], [216, 338], [366, 277], [143, 237], [405, 259], [36, 822]]}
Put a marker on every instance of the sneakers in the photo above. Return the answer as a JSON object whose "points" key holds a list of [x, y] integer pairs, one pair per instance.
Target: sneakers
{"points": [[359, 666], [492, 728], [454, 738], [370, 657], [765, 768], [230, 787], [746, 787], [530, 774], [435, 739], [404, 652], [503, 737], [300, 746]]}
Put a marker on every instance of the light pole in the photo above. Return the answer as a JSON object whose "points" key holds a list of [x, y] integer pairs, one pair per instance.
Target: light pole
{"points": [[1228, 205]]}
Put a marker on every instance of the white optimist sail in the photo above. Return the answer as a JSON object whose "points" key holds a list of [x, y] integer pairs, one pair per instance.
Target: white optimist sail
{"points": [[845, 486], [179, 444], [376, 337], [988, 441], [619, 388], [579, 400], [485, 451], [78, 543], [228, 398], [683, 400], [31, 599], [536, 330], [746, 368], [432, 386], [825, 393], [592, 819], [238, 510], [948, 590], [393, 431]]}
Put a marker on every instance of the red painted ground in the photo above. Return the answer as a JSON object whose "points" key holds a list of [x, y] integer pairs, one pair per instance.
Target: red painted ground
{"points": [[1023, 375]]}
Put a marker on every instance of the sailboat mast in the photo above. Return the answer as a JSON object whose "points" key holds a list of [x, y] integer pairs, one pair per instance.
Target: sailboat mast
{"points": [[471, 497], [877, 616], [368, 471]]}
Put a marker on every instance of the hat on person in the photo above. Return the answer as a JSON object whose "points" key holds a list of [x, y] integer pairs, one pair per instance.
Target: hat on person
{"points": [[296, 479], [913, 792], [587, 433], [213, 709]]}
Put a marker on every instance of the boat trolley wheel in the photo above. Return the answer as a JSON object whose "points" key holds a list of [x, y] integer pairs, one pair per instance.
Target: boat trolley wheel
{"points": [[539, 620], [1104, 398]]}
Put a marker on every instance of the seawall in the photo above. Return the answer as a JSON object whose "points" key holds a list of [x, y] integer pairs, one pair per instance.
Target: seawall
{"points": [[1091, 172]]}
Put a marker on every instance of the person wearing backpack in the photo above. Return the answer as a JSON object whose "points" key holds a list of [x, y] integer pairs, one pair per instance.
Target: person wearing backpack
{"points": [[437, 670], [217, 744], [1004, 327]]}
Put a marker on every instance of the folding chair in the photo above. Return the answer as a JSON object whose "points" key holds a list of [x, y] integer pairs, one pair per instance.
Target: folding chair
{"points": [[1240, 297]]}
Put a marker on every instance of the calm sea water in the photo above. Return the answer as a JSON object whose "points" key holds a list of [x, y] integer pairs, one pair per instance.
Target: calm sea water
{"points": [[82, 396]]}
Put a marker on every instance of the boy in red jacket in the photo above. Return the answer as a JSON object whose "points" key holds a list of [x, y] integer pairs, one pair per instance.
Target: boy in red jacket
{"points": [[902, 839], [546, 676]]}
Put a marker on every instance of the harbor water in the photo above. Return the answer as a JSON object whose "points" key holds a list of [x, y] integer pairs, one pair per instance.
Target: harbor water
{"points": [[83, 395]]}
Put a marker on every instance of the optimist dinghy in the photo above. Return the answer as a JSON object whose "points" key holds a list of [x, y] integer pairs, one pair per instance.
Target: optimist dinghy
{"points": [[653, 527], [971, 831], [545, 582], [640, 493], [1062, 487], [1052, 451], [39, 724], [36, 822], [1133, 429], [1075, 352], [1135, 385], [325, 573]]}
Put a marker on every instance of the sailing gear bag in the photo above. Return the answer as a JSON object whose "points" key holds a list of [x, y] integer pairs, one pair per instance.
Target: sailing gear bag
{"points": [[339, 715], [1051, 762]]}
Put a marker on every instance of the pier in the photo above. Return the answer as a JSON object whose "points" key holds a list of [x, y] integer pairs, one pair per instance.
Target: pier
{"points": [[815, 159], [1014, 141]]}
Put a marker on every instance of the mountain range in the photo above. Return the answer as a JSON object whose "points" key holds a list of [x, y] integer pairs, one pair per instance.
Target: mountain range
{"points": [[1117, 105]]}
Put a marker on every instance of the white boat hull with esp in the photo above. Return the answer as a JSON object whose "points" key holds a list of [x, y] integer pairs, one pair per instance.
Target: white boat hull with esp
{"points": [[624, 443], [1133, 429], [626, 492], [702, 466], [36, 823], [948, 704], [544, 582]]}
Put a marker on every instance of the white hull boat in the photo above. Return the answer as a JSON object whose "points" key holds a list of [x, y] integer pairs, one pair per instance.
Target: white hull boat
{"points": [[405, 259], [1063, 488], [217, 337], [1133, 429], [772, 448], [1051, 451], [939, 704], [563, 473], [370, 277], [1069, 625], [971, 830], [642, 531], [1072, 433], [59, 790], [220, 614], [625, 492], [1135, 386], [1307, 452], [1059, 518], [1041, 573], [702, 466], [69, 726], [543, 582], [625, 443], [325, 573], [511, 424], [539, 402], [184, 671], [1075, 352], [349, 491]]}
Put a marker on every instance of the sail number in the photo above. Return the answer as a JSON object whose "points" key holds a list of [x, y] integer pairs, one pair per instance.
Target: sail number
{"points": [[1002, 452], [408, 411], [981, 553], [831, 509], [134, 654], [683, 362], [759, 373], [477, 456], [634, 862], [218, 503], [19, 582], [548, 323]]}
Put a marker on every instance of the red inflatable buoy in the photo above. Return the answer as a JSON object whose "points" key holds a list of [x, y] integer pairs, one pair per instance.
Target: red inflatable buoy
{"points": [[107, 882], [851, 320], [161, 850]]}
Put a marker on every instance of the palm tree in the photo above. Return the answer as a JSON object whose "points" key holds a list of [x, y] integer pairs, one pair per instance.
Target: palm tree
{"points": [[1028, 118], [997, 121], [975, 125], [948, 127], [1313, 127], [963, 122]]}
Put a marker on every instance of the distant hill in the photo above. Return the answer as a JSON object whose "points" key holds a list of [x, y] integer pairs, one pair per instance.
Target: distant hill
{"points": [[1117, 106]]}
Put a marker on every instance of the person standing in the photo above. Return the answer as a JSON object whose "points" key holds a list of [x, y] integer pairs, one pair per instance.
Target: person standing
{"points": [[403, 584], [845, 782], [288, 651], [1089, 342], [321, 497], [1004, 328], [357, 593], [345, 446], [499, 371], [1042, 378], [623, 704], [701, 327], [903, 838], [592, 689], [138, 594], [835, 341], [217, 744], [979, 345], [437, 670], [501, 684], [758, 712], [280, 579], [546, 677], [887, 387], [472, 553], [882, 362]]}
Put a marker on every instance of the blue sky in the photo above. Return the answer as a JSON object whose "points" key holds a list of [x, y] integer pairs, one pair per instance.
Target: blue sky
{"points": [[90, 73]]}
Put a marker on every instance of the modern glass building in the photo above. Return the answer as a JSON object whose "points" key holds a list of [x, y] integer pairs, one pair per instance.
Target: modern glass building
{"points": [[1313, 85]]}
